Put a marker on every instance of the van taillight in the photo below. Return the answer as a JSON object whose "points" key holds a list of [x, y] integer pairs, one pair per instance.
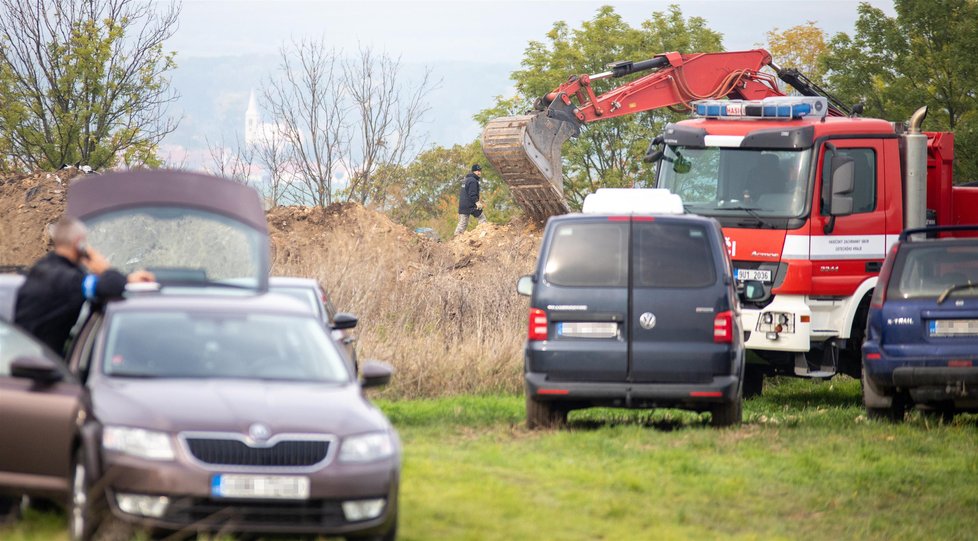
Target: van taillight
{"points": [[723, 328], [538, 324]]}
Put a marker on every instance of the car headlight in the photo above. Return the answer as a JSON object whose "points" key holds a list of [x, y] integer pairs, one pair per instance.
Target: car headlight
{"points": [[138, 442], [366, 447]]}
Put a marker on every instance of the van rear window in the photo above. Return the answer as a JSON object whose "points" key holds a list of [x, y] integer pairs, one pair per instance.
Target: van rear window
{"points": [[589, 254], [673, 255]]}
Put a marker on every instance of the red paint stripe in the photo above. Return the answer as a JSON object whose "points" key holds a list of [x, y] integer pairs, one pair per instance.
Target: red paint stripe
{"points": [[553, 391], [706, 394], [618, 218]]}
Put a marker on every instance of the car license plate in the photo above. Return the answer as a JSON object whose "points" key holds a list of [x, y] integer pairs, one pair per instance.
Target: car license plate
{"points": [[588, 329], [754, 274], [954, 327], [277, 487]]}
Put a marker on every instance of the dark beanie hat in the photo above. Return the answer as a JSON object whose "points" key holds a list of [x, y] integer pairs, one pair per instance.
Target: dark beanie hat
{"points": [[476, 167]]}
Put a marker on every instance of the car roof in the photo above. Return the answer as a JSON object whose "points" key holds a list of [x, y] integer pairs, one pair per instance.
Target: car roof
{"points": [[668, 217], [292, 281], [268, 303]]}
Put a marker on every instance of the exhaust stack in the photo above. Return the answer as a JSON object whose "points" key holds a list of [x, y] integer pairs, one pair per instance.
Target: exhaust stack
{"points": [[915, 177]]}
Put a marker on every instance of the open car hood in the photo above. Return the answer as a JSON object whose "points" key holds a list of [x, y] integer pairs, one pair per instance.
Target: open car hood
{"points": [[188, 228]]}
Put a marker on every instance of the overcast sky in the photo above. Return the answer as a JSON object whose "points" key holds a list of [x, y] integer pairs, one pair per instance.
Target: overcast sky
{"points": [[482, 30]]}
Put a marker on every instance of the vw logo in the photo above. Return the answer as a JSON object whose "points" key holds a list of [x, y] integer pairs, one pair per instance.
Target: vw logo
{"points": [[647, 320], [259, 432]]}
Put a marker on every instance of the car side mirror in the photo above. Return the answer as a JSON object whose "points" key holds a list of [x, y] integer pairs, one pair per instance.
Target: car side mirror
{"points": [[375, 374], [343, 321], [752, 290], [39, 369], [524, 286], [843, 181]]}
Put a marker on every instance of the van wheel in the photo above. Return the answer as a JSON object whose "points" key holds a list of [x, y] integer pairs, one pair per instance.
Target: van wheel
{"points": [[544, 414], [727, 413], [881, 407], [753, 381]]}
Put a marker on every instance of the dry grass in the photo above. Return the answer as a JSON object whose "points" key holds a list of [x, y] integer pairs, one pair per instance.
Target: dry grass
{"points": [[445, 314]]}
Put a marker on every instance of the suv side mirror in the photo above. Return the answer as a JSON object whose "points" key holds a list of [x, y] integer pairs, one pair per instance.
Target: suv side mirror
{"points": [[39, 369], [375, 374], [753, 290], [524, 286], [344, 320], [843, 181]]}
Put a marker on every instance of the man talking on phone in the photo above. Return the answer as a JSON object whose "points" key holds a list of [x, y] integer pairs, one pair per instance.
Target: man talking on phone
{"points": [[57, 286]]}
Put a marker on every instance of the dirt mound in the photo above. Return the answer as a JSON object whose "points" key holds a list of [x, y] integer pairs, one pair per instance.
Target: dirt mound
{"points": [[28, 204]]}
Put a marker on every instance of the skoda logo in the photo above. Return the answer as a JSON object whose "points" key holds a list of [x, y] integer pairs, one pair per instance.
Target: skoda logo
{"points": [[647, 320], [259, 432]]}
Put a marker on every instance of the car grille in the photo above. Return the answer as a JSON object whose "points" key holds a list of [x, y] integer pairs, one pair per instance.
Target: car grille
{"points": [[238, 515], [233, 452]]}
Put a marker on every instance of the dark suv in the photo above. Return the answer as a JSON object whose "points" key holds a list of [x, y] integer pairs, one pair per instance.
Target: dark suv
{"points": [[633, 311], [922, 332]]}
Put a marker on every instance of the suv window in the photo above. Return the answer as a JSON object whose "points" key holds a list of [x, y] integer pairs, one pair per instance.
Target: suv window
{"points": [[588, 254], [673, 255], [925, 271]]}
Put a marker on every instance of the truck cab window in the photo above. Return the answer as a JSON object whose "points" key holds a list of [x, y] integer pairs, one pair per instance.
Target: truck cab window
{"points": [[864, 177]]}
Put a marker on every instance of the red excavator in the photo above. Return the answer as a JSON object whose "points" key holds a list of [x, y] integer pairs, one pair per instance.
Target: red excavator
{"points": [[525, 149]]}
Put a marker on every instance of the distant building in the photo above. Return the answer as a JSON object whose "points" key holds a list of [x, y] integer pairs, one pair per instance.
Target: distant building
{"points": [[258, 132]]}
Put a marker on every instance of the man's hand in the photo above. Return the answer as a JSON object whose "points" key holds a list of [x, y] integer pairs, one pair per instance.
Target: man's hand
{"points": [[141, 276], [95, 261], [479, 205]]}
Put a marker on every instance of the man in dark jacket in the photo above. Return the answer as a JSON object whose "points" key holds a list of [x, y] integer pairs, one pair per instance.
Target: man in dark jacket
{"points": [[57, 286], [469, 203]]}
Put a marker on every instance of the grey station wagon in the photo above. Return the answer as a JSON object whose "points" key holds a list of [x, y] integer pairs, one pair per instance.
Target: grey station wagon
{"points": [[632, 311]]}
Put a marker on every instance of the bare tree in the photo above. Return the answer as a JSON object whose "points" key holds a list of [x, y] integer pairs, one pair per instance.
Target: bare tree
{"points": [[387, 111], [84, 81], [273, 155], [232, 161], [306, 102]]}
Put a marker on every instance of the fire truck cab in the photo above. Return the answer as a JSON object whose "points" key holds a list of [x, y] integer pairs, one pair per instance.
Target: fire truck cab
{"points": [[809, 204]]}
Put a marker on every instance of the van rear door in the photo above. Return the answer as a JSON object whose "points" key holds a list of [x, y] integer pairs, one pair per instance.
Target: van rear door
{"points": [[677, 292], [585, 296]]}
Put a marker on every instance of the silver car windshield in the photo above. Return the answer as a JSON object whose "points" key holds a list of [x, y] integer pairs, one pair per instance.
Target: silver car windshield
{"points": [[210, 345], [724, 181], [180, 245]]}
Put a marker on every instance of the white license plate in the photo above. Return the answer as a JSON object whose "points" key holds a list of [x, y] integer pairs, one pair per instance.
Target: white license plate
{"points": [[754, 274], [954, 327], [587, 329], [284, 487]]}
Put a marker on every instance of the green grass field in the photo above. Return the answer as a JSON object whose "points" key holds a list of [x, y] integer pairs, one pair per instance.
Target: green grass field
{"points": [[805, 465]]}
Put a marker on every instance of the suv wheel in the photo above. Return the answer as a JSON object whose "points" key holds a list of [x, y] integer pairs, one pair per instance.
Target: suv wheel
{"points": [[727, 413], [544, 414], [876, 403]]}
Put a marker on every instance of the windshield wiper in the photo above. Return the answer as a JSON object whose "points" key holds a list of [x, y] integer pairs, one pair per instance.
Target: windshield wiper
{"points": [[751, 212], [957, 287], [134, 375]]}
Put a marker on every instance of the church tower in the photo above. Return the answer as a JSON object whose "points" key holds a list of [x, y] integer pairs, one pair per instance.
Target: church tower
{"points": [[252, 120]]}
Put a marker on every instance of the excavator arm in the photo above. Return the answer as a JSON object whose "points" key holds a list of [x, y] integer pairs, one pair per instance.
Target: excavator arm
{"points": [[526, 149]]}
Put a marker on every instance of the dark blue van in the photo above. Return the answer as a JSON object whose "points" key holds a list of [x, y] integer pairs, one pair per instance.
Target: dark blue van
{"points": [[632, 311], [921, 343]]}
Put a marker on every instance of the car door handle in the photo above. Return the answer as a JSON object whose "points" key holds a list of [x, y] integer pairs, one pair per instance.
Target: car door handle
{"points": [[874, 266]]}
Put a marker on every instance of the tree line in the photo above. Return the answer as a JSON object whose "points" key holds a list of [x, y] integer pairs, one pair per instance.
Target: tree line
{"points": [[87, 82]]}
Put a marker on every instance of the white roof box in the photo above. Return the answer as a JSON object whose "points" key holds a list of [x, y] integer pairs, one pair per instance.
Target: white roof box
{"points": [[633, 201]]}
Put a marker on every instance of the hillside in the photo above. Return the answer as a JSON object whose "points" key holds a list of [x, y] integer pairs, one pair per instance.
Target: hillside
{"points": [[444, 313]]}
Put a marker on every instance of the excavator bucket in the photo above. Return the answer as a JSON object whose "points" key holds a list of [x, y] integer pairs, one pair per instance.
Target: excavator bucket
{"points": [[525, 149]]}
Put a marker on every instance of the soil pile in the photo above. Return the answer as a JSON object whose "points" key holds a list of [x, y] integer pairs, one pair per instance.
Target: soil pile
{"points": [[28, 204]]}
